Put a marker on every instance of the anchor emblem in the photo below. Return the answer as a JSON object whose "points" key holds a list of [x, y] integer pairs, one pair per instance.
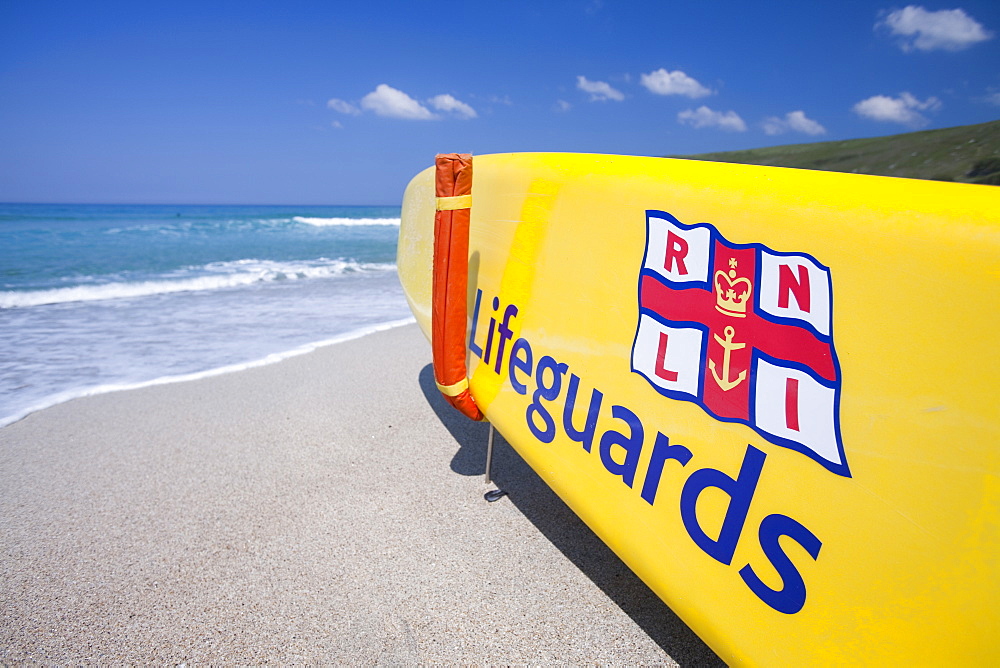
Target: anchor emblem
{"points": [[724, 381]]}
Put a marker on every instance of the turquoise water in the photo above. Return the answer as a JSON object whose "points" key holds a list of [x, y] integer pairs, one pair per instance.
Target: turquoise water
{"points": [[96, 297]]}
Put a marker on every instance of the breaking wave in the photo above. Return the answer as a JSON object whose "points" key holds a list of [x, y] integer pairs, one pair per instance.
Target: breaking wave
{"points": [[213, 276], [345, 222]]}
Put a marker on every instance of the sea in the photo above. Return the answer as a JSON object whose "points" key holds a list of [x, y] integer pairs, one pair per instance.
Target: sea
{"points": [[98, 298]]}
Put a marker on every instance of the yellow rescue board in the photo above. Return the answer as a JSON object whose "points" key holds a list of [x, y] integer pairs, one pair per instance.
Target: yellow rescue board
{"points": [[771, 392]]}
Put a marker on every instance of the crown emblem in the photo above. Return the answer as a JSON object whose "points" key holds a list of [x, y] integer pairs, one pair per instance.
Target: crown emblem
{"points": [[731, 293]]}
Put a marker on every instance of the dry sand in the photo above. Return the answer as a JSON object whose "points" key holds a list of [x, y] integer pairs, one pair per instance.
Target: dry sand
{"points": [[327, 509]]}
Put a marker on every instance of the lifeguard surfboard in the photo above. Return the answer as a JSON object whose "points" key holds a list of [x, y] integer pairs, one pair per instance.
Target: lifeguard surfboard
{"points": [[772, 392]]}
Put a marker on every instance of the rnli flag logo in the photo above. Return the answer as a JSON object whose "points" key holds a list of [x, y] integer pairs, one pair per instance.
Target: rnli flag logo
{"points": [[743, 331]]}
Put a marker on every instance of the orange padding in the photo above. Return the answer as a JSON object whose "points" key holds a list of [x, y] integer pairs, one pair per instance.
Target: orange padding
{"points": [[449, 305]]}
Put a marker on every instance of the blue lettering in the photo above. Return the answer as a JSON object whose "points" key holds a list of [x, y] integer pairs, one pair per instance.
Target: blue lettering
{"points": [[549, 393], [792, 596], [489, 334], [740, 492], [505, 334], [632, 445], [547, 378], [662, 451], [518, 364], [584, 436], [476, 350]]}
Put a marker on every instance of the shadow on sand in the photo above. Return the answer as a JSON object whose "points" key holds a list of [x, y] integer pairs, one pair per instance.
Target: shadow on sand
{"points": [[543, 508]]}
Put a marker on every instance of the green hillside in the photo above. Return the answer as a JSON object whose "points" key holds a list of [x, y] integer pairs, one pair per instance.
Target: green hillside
{"points": [[970, 154]]}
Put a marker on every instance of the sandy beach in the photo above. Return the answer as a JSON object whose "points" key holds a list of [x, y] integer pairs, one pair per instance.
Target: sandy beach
{"points": [[325, 509]]}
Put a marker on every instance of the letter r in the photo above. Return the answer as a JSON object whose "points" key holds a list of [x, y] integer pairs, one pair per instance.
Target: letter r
{"points": [[677, 249]]}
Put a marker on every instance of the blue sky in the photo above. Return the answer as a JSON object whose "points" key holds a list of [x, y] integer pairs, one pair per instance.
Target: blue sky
{"points": [[342, 102]]}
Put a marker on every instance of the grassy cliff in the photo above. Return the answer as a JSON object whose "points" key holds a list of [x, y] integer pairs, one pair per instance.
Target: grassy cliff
{"points": [[970, 154]]}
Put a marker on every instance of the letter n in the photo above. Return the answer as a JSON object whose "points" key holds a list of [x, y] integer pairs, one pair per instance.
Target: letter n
{"points": [[799, 287]]}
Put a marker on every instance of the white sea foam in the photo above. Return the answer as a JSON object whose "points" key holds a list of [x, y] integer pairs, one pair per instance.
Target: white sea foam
{"points": [[68, 395], [213, 276], [345, 222]]}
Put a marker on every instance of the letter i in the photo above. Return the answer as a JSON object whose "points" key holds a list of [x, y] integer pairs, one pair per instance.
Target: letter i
{"points": [[489, 335], [792, 403]]}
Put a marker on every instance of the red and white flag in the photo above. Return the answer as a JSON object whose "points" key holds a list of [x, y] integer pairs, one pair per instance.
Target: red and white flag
{"points": [[744, 331]]}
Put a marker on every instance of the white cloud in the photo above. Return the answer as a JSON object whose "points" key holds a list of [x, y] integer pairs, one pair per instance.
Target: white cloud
{"points": [[703, 117], [563, 106], [994, 99], [343, 107], [663, 82], [449, 104], [599, 90], [947, 29], [794, 121], [903, 109], [391, 103]]}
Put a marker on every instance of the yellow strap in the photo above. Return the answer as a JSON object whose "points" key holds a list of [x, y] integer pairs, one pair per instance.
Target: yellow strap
{"points": [[453, 390], [456, 202]]}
